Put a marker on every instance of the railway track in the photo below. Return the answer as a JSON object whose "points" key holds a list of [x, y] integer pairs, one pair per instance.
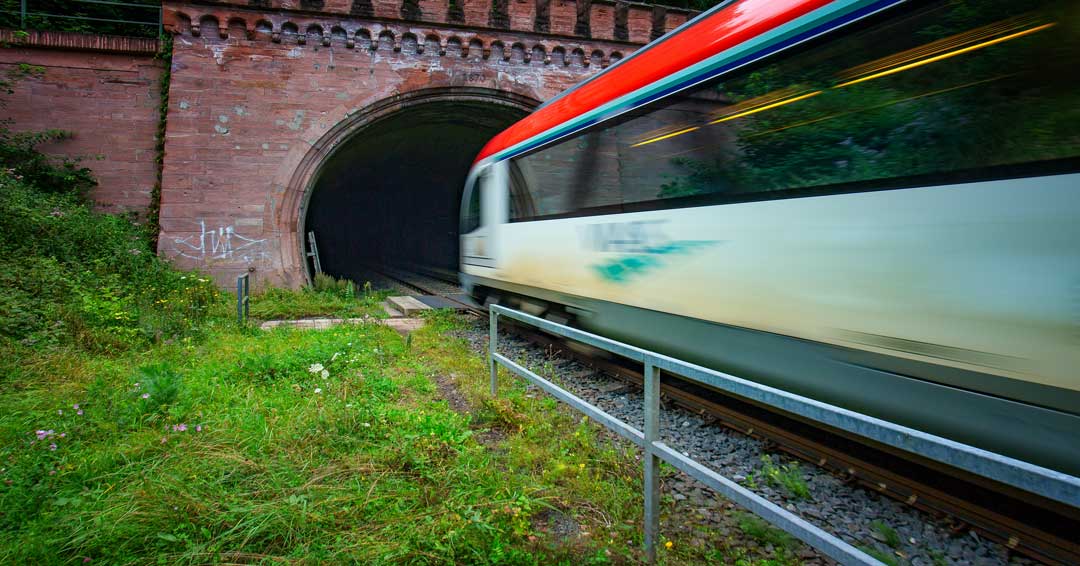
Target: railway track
{"points": [[1027, 524], [1035, 527]]}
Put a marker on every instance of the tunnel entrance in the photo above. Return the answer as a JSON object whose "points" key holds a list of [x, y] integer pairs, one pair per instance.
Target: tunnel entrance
{"points": [[390, 194]]}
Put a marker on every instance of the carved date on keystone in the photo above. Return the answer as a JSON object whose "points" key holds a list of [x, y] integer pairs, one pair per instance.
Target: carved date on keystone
{"points": [[474, 77]]}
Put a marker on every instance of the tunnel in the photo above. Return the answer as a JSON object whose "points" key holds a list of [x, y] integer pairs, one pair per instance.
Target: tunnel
{"points": [[390, 195]]}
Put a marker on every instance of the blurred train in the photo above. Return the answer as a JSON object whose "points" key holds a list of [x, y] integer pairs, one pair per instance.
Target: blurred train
{"points": [[871, 203]]}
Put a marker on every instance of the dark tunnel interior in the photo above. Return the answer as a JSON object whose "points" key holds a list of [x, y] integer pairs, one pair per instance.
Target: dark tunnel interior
{"points": [[391, 194]]}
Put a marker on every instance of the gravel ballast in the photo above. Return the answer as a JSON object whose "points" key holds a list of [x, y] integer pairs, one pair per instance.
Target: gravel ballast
{"points": [[863, 518]]}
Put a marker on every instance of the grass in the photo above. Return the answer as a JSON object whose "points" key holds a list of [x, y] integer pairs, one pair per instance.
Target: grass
{"points": [[236, 448], [888, 535], [326, 300], [789, 477], [764, 533]]}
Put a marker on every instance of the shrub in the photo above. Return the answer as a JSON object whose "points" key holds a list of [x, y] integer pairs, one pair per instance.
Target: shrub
{"points": [[70, 274]]}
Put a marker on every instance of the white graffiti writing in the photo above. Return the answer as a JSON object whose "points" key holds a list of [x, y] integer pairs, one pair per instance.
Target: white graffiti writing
{"points": [[222, 243]]}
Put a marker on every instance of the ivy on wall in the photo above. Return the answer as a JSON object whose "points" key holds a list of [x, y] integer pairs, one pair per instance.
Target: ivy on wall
{"points": [[153, 214]]}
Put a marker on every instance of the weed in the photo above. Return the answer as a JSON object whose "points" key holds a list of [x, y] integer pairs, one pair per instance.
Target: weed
{"points": [[786, 476], [888, 535], [761, 531], [285, 304], [884, 557], [156, 389]]}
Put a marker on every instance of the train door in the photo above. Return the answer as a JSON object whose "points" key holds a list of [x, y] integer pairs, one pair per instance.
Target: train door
{"points": [[483, 209]]}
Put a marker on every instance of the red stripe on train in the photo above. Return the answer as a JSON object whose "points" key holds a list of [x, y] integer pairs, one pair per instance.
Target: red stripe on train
{"points": [[727, 28]]}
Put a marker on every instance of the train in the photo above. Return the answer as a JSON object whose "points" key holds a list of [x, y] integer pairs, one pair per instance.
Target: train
{"points": [[871, 203]]}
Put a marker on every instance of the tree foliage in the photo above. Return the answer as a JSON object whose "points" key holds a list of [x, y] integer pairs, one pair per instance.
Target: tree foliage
{"points": [[84, 17], [994, 106]]}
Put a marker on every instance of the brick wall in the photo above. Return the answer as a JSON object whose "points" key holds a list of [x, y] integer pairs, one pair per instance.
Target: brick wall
{"points": [[521, 14], [253, 113], [260, 96], [108, 99]]}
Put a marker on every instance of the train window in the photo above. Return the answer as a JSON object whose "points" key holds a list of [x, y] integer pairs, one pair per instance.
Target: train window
{"points": [[470, 219], [944, 92]]}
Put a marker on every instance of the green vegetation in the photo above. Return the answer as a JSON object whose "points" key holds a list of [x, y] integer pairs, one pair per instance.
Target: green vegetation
{"points": [[140, 423], [761, 531], [333, 300], [42, 15], [883, 557], [888, 534], [786, 476]]}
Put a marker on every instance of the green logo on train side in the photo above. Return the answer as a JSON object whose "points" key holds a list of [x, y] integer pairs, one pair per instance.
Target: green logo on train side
{"points": [[629, 266]]}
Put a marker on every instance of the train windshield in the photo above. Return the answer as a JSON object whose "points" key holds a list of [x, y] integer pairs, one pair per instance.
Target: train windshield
{"points": [[946, 92]]}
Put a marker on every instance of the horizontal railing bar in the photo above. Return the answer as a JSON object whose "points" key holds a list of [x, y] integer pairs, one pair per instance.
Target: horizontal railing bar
{"points": [[43, 14], [812, 535], [597, 414], [1010, 471], [107, 3], [625, 350]]}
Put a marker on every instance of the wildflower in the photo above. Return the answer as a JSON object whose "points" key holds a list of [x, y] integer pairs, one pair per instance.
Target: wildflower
{"points": [[52, 446], [52, 472], [145, 395], [582, 466], [334, 357], [136, 385], [318, 390], [315, 368], [75, 406], [134, 251], [179, 427], [164, 439], [79, 412], [325, 374], [63, 435], [668, 545], [366, 425], [198, 428], [60, 412]]}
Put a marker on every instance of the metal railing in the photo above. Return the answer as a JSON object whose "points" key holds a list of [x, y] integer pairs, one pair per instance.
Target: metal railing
{"points": [[1028, 477], [243, 297], [25, 13]]}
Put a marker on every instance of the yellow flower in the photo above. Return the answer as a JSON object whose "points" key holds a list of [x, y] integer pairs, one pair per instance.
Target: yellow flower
{"points": [[668, 545], [582, 466]]}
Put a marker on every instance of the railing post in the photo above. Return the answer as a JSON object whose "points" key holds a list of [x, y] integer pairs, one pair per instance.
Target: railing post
{"points": [[240, 300], [493, 340], [652, 461], [247, 295]]}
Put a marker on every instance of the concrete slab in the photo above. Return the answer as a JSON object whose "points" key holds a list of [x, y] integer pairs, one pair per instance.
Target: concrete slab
{"points": [[391, 311], [407, 305], [402, 325], [314, 323]]}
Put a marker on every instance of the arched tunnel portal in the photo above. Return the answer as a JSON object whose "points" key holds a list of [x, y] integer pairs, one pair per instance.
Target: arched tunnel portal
{"points": [[390, 193]]}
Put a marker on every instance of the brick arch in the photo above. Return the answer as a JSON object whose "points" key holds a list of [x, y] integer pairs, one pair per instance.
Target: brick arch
{"points": [[298, 187]]}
